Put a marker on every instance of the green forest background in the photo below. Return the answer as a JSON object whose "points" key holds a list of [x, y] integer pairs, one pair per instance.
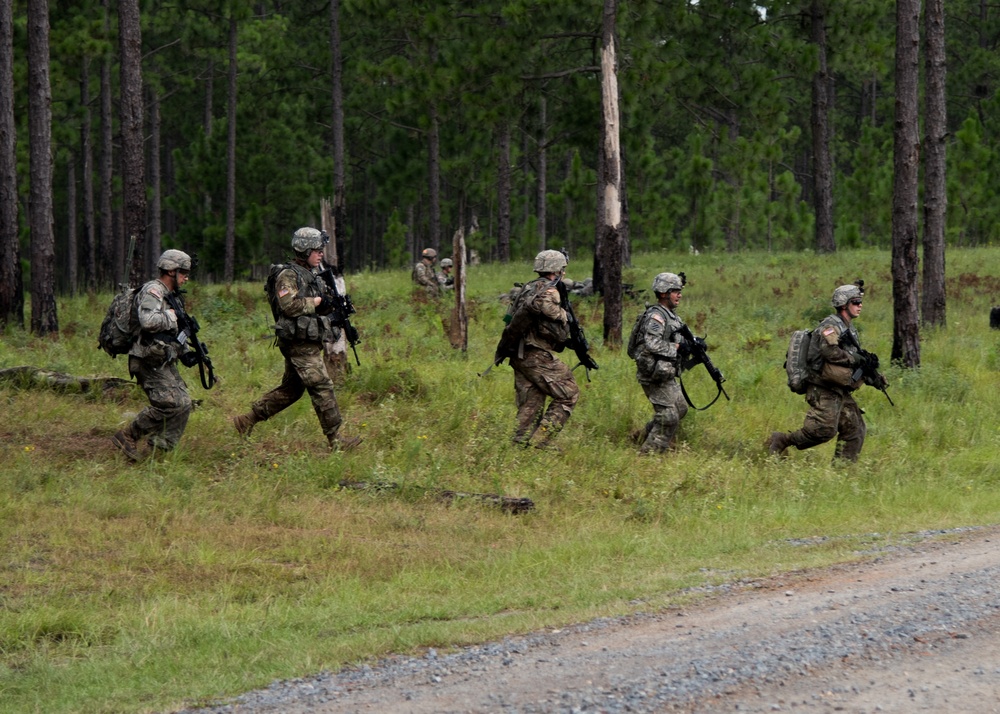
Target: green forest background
{"points": [[716, 123]]}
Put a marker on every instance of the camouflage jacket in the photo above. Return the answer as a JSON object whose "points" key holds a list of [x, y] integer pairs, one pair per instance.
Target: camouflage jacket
{"points": [[157, 324]]}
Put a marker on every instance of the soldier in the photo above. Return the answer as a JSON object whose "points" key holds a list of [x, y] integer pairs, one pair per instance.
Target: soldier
{"points": [[834, 356], [538, 373], [423, 273], [152, 360], [658, 351], [445, 278], [302, 306]]}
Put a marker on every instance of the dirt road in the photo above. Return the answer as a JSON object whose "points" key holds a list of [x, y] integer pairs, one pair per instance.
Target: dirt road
{"points": [[915, 630]]}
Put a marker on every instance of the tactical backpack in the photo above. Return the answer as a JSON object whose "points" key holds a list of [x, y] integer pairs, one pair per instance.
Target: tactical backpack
{"points": [[272, 298], [120, 327], [637, 338], [519, 320], [797, 362]]}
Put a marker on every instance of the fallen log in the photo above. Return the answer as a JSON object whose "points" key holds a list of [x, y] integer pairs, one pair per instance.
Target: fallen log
{"points": [[27, 377], [506, 503]]}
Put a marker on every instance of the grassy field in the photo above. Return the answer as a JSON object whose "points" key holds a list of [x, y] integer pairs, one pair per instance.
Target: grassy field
{"points": [[228, 564]]}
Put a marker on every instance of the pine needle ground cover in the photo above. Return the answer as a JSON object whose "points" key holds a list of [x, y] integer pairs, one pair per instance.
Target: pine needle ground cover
{"points": [[230, 563]]}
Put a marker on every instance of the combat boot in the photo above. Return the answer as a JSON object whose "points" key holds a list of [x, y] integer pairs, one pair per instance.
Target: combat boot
{"points": [[126, 444], [344, 443], [244, 423], [778, 442]]}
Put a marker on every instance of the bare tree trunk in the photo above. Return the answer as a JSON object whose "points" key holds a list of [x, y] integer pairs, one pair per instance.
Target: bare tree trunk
{"points": [[822, 134], [156, 184], [434, 176], [106, 247], [206, 122], [458, 327], [87, 150], [230, 260], [11, 282], [906, 160], [40, 217], [339, 232], [611, 235], [72, 249], [503, 195], [935, 193], [597, 272], [543, 161], [133, 149]]}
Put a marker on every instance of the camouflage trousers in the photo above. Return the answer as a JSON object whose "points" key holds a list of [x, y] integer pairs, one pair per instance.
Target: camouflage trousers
{"points": [[166, 417], [831, 413], [305, 371], [537, 376], [669, 407]]}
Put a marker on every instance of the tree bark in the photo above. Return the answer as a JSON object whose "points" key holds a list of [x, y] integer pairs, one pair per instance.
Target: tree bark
{"points": [[611, 234], [155, 235], [87, 155], [132, 136], [339, 207], [935, 192], [72, 248], [458, 327], [40, 217], [906, 159], [543, 161], [11, 282], [434, 178], [106, 241], [230, 260], [503, 194], [822, 135]]}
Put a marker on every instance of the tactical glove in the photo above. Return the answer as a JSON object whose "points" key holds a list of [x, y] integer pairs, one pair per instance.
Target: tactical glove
{"points": [[189, 359], [325, 306]]}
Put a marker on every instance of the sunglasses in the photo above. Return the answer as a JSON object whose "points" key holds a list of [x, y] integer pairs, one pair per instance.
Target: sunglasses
{"points": [[856, 302]]}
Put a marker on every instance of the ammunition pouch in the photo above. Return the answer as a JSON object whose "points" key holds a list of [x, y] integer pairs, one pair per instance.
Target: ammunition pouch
{"points": [[837, 374]]}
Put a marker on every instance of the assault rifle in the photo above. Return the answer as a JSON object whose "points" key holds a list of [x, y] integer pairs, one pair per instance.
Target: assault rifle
{"points": [[868, 369], [697, 353], [343, 308], [187, 336], [577, 340]]}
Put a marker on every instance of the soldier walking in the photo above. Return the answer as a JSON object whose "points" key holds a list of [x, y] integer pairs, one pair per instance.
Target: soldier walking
{"points": [[423, 273], [834, 356], [302, 307]]}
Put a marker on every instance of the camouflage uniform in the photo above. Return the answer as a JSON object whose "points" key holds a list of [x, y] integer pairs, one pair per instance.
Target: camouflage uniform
{"points": [[538, 373], [423, 275], [301, 334], [832, 409], [656, 371], [152, 361]]}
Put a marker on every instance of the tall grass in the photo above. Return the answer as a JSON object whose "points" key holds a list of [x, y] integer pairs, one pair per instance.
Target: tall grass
{"points": [[227, 563]]}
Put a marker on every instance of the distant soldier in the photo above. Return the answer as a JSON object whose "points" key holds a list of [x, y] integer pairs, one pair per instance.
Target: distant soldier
{"points": [[152, 360], [537, 327], [303, 325], [834, 357], [423, 273], [445, 279], [658, 351]]}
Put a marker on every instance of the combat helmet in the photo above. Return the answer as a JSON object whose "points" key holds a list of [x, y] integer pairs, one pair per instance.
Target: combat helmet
{"points": [[174, 260], [550, 261], [429, 253], [846, 293], [447, 263], [308, 239], [665, 282]]}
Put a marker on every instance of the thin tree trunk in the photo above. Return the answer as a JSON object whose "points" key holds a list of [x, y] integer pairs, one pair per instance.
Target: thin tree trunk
{"points": [[611, 235], [132, 135], [11, 282], [106, 250], [339, 173], [156, 184], [503, 195], [906, 160], [72, 249], [206, 122], [822, 135], [87, 151], [40, 217], [935, 193], [230, 260], [434, 178], [543, 162]]}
